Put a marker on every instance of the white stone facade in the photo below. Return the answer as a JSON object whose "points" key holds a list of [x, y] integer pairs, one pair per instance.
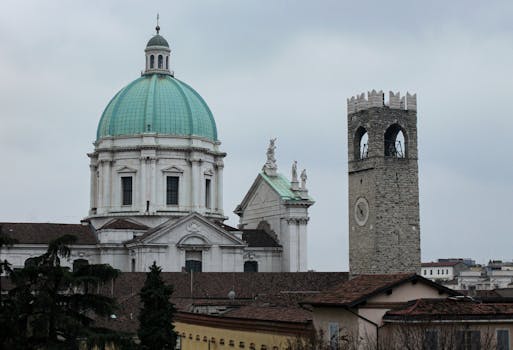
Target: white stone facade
{"points": [[159, 197], [149, 159]]}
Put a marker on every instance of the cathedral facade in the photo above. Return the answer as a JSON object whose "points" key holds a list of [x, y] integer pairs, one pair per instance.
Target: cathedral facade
{"points": [[156, 190]]}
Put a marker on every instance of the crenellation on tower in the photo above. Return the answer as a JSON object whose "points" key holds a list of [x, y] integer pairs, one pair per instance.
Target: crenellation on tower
{"points": [[377, 99]]}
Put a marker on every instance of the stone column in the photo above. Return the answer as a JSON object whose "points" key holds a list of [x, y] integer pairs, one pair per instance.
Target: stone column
{"points": [[219, 189], [302, 245], [195, 185], [142, 192], [153, 185], [93, 188], [100, 188], [107, 186]]}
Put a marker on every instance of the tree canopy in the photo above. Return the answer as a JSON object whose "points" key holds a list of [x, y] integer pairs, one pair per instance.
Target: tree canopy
{"points": [[48, 306], [156, 330]]}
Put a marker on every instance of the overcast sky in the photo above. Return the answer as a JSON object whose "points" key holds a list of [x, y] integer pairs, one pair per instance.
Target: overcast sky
{"points": [[272, 69]]}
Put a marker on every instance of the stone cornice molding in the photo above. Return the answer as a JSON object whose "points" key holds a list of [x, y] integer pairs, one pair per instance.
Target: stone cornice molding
{"points": [[301, 220], [299, 203], [158, 148], [195, 160], [148, 158]]}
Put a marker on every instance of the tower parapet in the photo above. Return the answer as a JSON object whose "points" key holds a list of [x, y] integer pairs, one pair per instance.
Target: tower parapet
{"points": [[377, 99]]}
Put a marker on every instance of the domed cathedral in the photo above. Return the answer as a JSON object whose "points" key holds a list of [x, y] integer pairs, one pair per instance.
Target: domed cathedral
{"points": [[156, 155], [157, 191], [384, 231]]}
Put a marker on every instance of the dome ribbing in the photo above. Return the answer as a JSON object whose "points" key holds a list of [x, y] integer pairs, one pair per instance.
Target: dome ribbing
{"points": [[157, 103]]}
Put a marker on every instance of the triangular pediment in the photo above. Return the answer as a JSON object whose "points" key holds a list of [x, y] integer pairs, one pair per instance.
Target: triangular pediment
{"points": [[172, 169], [126, 169], [194, 230], [259, 193]]}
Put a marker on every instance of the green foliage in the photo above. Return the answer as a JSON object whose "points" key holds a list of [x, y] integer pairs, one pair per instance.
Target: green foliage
{"points": [[156, 329], [50, 307]]}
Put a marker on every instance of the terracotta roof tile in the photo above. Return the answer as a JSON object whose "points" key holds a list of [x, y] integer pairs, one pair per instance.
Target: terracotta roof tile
{"points": [[42, 233], [271, 313], [442, 264], [211, 288], [358, 289], [259, 238], [450, 309], [122, 224]]}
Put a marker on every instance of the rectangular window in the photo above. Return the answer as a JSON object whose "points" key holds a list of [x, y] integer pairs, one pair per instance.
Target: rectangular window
{"points": [[207, 193], [502, 339], [430, 340], [172, 190], [333, 334], [193, 261], [126, 189], [468, 340]]}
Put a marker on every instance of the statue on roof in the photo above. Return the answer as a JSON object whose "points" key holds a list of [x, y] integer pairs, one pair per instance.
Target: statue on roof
{"points": [[303, 179], [294, 171], [270, 166]]}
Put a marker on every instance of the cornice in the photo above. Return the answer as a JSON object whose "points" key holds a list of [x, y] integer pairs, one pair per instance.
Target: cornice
{"points": [[187, 149]]}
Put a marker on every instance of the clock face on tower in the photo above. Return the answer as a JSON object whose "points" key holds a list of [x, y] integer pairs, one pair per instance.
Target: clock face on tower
{"points": [[361, 211]]}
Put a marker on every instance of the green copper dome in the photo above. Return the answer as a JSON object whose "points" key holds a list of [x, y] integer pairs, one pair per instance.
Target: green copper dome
{"points": [[157, 40], [157, 103]]}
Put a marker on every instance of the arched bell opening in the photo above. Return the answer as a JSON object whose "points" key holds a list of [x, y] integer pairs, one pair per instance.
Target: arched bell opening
{"points": [[396, 142], [361, 144]]}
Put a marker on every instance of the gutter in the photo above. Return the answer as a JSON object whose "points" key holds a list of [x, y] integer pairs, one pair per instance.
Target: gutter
{"points": [[368, 321]]}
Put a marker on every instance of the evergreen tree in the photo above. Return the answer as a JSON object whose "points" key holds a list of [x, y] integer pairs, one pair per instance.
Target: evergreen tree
{"points": [[52, 307], [156, 329]]}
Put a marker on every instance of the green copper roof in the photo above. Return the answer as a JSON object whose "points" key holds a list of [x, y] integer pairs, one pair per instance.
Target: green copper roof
{"points": [[157, 103], [282, 186], [157, 40]]}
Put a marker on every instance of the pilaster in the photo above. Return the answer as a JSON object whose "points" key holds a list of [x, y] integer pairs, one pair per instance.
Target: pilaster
{"points": [[219, 181]]}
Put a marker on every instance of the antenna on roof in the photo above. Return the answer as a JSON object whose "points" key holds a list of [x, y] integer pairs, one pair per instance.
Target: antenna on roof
{"points": [[157, 28]]}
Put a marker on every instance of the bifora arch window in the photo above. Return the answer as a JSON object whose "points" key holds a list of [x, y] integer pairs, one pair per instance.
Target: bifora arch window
{"points": [[152, 61], [161, 62], [396, 142], [361, 143]]}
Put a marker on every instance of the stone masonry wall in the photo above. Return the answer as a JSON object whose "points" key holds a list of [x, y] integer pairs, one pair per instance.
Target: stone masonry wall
{"points": [[389, 241]]}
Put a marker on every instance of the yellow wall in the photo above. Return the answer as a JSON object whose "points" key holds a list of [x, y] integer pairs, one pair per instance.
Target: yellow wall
{"points": [[276, 341]]}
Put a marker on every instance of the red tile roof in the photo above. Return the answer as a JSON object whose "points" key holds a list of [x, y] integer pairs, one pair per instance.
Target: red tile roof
{"points": [[259, 238], [122, 224], [274, 313], [362, 287], [459, 308], [441, 264], [211, 288], [42, 233]]}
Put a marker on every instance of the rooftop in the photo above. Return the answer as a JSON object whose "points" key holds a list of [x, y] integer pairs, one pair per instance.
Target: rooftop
{"points": [[42, 233]]}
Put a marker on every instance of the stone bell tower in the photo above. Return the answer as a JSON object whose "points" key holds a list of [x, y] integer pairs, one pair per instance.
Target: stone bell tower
{"points": [[384, 232]]}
